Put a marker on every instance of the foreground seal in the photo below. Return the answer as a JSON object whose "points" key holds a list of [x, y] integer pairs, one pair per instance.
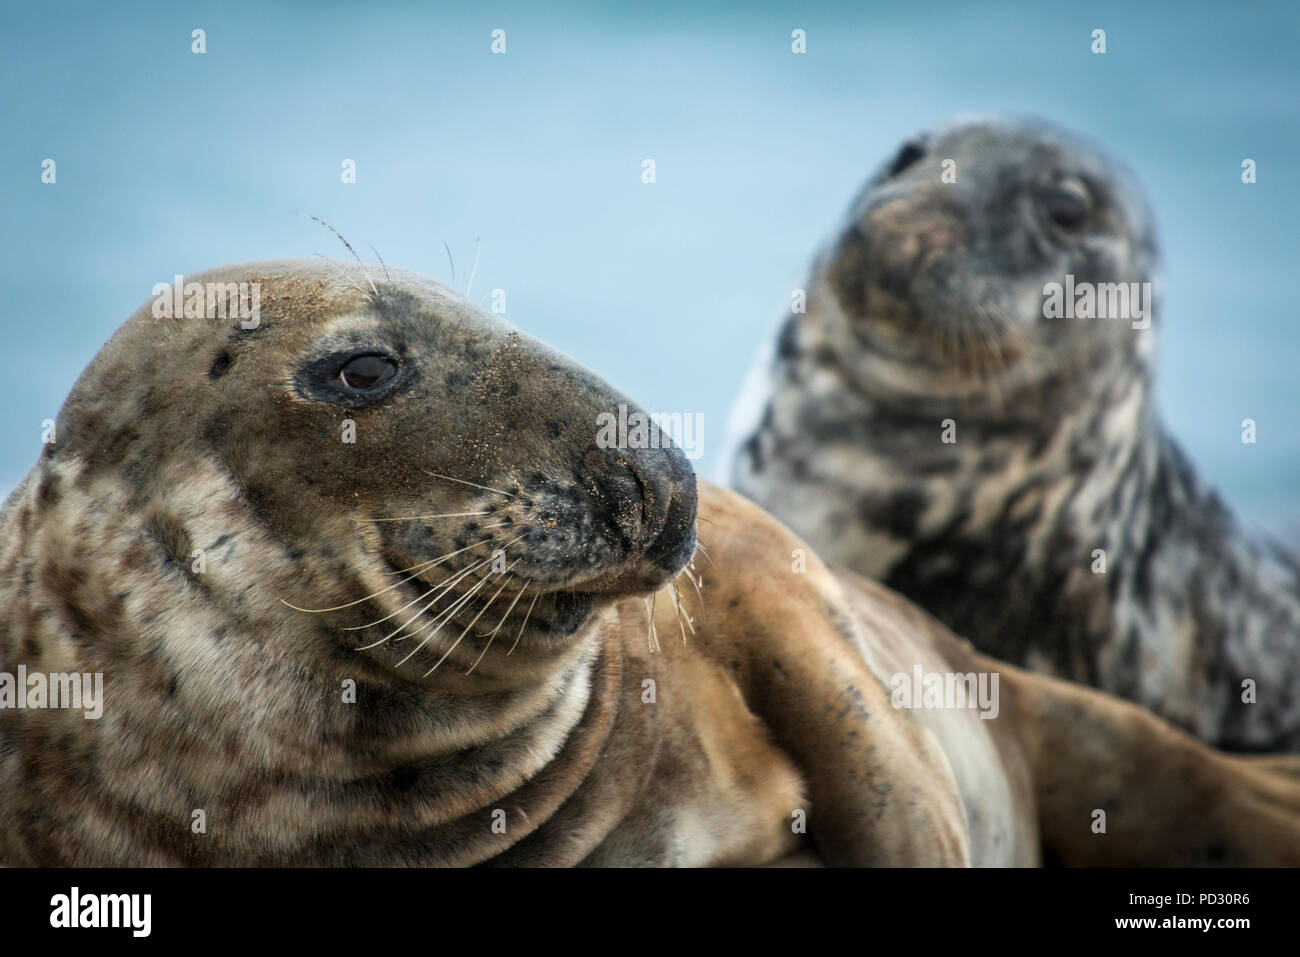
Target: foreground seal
{"points": [[926, 424], [435, 644]]}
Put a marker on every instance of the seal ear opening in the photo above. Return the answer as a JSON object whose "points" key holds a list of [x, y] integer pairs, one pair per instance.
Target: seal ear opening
{"points": [[908, 154]]}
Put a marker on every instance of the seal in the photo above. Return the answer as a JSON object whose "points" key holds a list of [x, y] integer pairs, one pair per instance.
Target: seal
{"points": [[964, 414], [364, 587]]}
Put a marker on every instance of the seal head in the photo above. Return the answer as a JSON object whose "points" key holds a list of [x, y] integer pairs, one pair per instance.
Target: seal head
{"points": [[947, 253], [359, 550], [381, 430]]}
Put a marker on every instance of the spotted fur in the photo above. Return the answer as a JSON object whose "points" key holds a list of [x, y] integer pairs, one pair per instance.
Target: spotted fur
{"points": [[928, 306]]}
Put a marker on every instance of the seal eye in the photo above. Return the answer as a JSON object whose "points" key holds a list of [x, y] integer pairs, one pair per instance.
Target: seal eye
{"points": [[911, 151], [366, 372], [1068, 206]]}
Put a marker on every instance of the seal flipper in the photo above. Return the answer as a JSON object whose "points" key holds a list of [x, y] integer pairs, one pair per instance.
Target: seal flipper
{"points": [[1167, 799], [881, 790]]}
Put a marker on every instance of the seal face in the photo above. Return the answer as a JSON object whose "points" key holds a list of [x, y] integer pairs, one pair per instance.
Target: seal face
{"points": [[965, 413], [944, 259], [418, 413]]}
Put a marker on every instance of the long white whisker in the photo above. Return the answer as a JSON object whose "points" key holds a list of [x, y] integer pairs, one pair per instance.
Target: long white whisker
{"points": [[346, 244], [448, 586], [443, 618], [652, 639], [348, 279], [485, 488], [474, 270], [416, 518], [677, 606], [524, 625], [450, 613], [452, 261], [461, 636], [493, 635], [387, 278], [453, 580], [698, 584], [414, 568]]}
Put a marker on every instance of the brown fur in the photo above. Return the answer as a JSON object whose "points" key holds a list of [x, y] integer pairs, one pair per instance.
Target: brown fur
{"points": [[221, 697]]}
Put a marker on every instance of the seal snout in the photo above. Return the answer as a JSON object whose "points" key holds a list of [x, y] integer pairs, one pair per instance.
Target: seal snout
{"points": [[653, 501], [674, 544], [628, 525]]}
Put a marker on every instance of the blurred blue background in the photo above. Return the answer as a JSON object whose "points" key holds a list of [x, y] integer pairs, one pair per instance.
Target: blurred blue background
{"points": [[174, 162]]}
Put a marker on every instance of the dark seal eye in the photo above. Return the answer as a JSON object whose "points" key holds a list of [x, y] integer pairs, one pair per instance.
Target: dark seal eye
{"points": [[366, 372], [1067, 206], [912, 151]]}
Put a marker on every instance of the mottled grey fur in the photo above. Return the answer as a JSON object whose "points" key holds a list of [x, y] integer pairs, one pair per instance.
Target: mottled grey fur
{"points": [[928, 305]]}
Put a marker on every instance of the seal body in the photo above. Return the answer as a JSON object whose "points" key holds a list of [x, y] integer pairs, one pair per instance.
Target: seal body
{"points": [[937, 422], [364, 587]]}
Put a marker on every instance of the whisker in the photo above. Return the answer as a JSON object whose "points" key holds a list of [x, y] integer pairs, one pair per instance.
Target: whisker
{"points": [[414, 568], [449, 585], [654, 631], [387, 278], [452, 261], [497, 525], [677, 606], [416, 600], [345, 243], [416, 518], [461, 636], [492, 637], [527, 615], [373, 594], [698, 585], [472, 484], [474, 270], [420, 598], [439, 561], [443, 618], [348, 279], [455, 578]]}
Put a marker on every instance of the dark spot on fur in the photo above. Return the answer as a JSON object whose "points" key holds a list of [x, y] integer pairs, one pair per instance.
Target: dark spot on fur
{"points": [[48, 493], [171, 536], [898, 513], [219, 366]]}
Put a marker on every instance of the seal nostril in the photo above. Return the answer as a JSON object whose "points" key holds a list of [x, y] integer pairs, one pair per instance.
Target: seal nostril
{"points": [[674, 542], [633, 517], [642, 492]]}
